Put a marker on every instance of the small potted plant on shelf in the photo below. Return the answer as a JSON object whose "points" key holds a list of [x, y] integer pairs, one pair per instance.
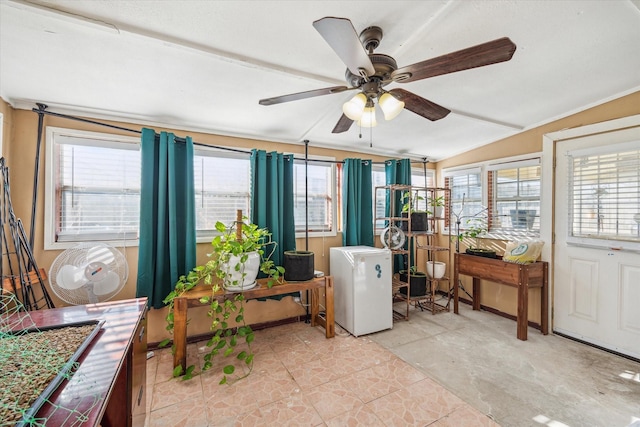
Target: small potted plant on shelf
{"points": [[238, 252], [417, 281], [418, 218], [436, 206]]}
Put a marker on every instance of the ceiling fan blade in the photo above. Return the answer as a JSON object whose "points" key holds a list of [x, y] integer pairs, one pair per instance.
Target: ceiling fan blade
{"points": [[344, 40], [419, 105], [492, 52], [343, 125], [304, 95]]}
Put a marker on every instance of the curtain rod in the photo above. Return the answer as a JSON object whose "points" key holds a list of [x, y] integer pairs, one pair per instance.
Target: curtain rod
{"points": [[42, 109]]}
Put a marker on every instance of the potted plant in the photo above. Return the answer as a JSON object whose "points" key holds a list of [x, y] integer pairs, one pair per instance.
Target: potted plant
{"points": [[436, 206], [475, 226], [418, 218], [299, 266], [474, 229], [417, 281], [233, 250]]}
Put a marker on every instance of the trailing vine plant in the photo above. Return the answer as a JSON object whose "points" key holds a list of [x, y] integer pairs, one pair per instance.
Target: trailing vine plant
{"points": [[230, 244]]}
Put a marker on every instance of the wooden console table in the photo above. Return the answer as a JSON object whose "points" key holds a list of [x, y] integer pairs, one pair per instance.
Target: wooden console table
{"points": [[520, 276], [109, 386], [192, 299]]}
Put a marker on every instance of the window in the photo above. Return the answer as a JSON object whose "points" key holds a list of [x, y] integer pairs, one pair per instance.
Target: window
{"points": [[604, 196], [93, 187], [321, 194], [378, 179], [514, 196], [222, 186], [466, 194]]}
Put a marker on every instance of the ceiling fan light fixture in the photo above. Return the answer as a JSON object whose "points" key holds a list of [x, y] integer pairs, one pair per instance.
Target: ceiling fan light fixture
{"points": [[368, 119], [390, 106], [355, 107]]}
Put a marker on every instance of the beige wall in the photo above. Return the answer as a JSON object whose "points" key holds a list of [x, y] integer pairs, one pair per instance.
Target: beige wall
{"points": [[504, 298], [20, 132], [7, 126], [21, 167]]}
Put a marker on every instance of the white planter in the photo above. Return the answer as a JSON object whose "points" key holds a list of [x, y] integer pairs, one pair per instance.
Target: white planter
{"points": [[436, 269], [438, 211], [234, 281]]}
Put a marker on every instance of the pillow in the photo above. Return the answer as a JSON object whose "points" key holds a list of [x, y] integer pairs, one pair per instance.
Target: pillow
{"points": [[523, 252]]}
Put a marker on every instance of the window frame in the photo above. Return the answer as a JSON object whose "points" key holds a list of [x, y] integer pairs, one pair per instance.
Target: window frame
{"points": [[503, 164], [484, 169], [606, 240], [459, 171], [333, 185], [206, 235], [52, 134], [415, 171]]}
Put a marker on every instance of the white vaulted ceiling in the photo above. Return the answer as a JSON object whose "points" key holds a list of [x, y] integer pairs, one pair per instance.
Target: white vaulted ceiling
{"points": [[203, 65]]}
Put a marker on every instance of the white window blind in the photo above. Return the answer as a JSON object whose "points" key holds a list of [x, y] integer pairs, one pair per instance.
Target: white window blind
{"points": [[222, 186], [321, 195], [378, 179], [96, 188], [604, 196], [466, 193], [514, 196], [418, 179]]}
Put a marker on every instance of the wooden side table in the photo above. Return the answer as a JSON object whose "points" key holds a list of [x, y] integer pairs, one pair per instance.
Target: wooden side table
{"points": [[192, 299], [520, 276]]}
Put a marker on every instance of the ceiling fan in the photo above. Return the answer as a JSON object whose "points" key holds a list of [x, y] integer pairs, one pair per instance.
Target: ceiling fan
{"points": [[370, 72]]}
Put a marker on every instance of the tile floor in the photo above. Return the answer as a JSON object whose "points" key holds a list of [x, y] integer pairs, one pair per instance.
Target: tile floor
{"points": [[442, 370], [302, 379]]}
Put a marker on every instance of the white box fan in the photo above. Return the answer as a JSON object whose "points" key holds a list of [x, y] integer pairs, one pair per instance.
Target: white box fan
{"points": [[88, 273]]}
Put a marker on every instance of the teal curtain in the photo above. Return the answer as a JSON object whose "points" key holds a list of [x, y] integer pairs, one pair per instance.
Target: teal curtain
{"points": [[167, 247], [397, 172], [272, 198], [357, 203]]}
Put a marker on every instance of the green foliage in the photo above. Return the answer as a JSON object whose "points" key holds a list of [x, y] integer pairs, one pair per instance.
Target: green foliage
{"points": [[436, 201], [474, 228], [410, 201], [225, 340]]}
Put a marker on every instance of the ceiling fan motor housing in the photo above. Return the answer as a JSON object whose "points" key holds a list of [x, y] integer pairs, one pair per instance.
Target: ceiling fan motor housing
{"points": [[384, 66]]}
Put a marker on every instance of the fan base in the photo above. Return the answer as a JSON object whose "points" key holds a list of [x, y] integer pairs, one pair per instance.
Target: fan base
{"points": [[371, 37]]}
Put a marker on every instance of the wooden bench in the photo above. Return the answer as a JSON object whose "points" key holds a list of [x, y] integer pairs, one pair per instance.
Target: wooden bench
{"points": [[192, 299]]}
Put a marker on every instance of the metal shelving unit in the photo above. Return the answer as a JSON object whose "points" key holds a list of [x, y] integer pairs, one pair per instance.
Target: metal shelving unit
{"points": [[415, 242]]}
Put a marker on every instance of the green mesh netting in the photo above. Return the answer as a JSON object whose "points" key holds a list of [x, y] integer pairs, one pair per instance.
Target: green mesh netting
{"points": [[30, 360]]}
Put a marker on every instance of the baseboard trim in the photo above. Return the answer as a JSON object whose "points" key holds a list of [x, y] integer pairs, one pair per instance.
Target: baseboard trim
{"points": [[501, 313], [256, 327]]}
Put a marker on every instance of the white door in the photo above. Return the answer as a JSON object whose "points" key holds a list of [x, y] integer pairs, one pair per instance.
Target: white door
{"points": [[596, 281]]}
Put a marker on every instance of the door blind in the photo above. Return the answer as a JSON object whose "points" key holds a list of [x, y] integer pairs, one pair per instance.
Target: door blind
{"points": [[604, 196]]}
